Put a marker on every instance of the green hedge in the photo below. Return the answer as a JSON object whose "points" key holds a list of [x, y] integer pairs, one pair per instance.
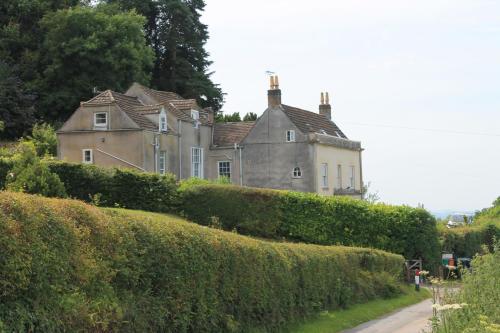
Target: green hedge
{"points": [[68, 266], [111, 187], [117, 187], [469, 241], [315, 219]]}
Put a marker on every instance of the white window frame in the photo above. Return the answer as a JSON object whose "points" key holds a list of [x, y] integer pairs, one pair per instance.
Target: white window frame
{"points": [[101, 125], [195, 114], [163, 122], [84, 160], [230, 169], [290, 136], [162, 159], [200, 171], [352, 177], [339, 176], [324, 175], [297, 172]]}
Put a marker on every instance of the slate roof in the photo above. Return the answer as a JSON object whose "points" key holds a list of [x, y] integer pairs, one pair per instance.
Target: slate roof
{"points": [[227, 134], [311, 122]]}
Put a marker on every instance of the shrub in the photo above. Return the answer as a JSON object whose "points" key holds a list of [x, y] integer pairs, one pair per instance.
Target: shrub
{"points": [[45, 140], [311, 218], [117, 187], [68, 266], [469, 241], [29, 175], [476, 307]]}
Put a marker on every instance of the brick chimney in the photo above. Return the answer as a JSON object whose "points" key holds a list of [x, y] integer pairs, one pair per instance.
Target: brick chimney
{"points": [[274, 93], [325, 108]]}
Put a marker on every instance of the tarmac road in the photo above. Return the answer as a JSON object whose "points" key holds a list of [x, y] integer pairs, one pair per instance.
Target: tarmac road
{"points": [[412, 319]]}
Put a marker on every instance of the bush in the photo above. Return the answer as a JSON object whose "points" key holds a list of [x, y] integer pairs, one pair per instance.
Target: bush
{"points": [[29, 175], [117, 187], [476, 305], [311, 218], [68, 266], [45, 140], [469, 241]]}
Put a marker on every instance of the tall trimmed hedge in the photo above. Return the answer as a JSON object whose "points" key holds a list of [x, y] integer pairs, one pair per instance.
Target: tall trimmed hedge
{"points": [[117, 187], [111, 187], [469, 241], [68, 266], [311, 218]]}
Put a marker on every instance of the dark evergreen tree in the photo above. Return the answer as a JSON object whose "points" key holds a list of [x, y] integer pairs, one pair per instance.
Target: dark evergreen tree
{"points": [[178, 38], [16, 104]]}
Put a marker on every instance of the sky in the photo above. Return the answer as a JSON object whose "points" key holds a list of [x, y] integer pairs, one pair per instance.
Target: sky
{"points": [[417, 82]]}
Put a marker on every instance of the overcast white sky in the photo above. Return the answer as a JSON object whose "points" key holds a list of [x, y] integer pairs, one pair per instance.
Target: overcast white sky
{"points": [[389, 65]]}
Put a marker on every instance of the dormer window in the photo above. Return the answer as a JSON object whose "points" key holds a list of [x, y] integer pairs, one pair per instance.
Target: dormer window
{"points": [[196, 117], [290, 136], [163, 121], [100, 120]]}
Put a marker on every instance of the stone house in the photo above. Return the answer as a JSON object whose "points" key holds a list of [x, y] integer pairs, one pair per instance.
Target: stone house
{"points": [[157, 131]]}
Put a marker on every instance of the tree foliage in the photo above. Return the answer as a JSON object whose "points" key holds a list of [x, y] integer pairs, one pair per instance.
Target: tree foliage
{"points": [[88, 47], [177, 36], [44, 139], [16, 104], [251, 116], [29, 175], [234, 117]]}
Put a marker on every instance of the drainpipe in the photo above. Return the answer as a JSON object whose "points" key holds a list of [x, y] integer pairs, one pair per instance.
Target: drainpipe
{"points": [[241, 168], [361, 174], [238, 147], [156, 144], [179, 126]]}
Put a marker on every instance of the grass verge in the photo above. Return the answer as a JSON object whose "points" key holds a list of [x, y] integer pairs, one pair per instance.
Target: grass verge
{"points": [[338, 320]]}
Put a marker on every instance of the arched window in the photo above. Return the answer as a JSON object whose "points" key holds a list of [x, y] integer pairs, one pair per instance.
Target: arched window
{"points": [[297, 173]]}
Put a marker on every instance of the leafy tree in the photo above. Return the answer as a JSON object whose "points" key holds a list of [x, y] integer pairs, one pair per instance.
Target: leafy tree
{"points": [[29, 175], [178, 38], [88, 47], [21, 35], [250, 117], [496, 203], [44, 139], [227, 118], [16, 104]]}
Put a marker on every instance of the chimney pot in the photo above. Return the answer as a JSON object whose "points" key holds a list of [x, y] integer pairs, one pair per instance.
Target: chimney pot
{"points": [[274, 94]]}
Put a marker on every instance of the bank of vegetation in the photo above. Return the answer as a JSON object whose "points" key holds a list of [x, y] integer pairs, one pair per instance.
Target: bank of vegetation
{"points": [[70, 266]]}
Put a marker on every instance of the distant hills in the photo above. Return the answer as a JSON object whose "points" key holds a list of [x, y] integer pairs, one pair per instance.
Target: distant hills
{"points": [[443, 213]]}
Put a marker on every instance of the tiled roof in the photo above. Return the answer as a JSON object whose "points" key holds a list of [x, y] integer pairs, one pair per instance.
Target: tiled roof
{"points": [[227, 134], [136, 110], [311, 122], [160, 96], [180, 107], [129, 105]]}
